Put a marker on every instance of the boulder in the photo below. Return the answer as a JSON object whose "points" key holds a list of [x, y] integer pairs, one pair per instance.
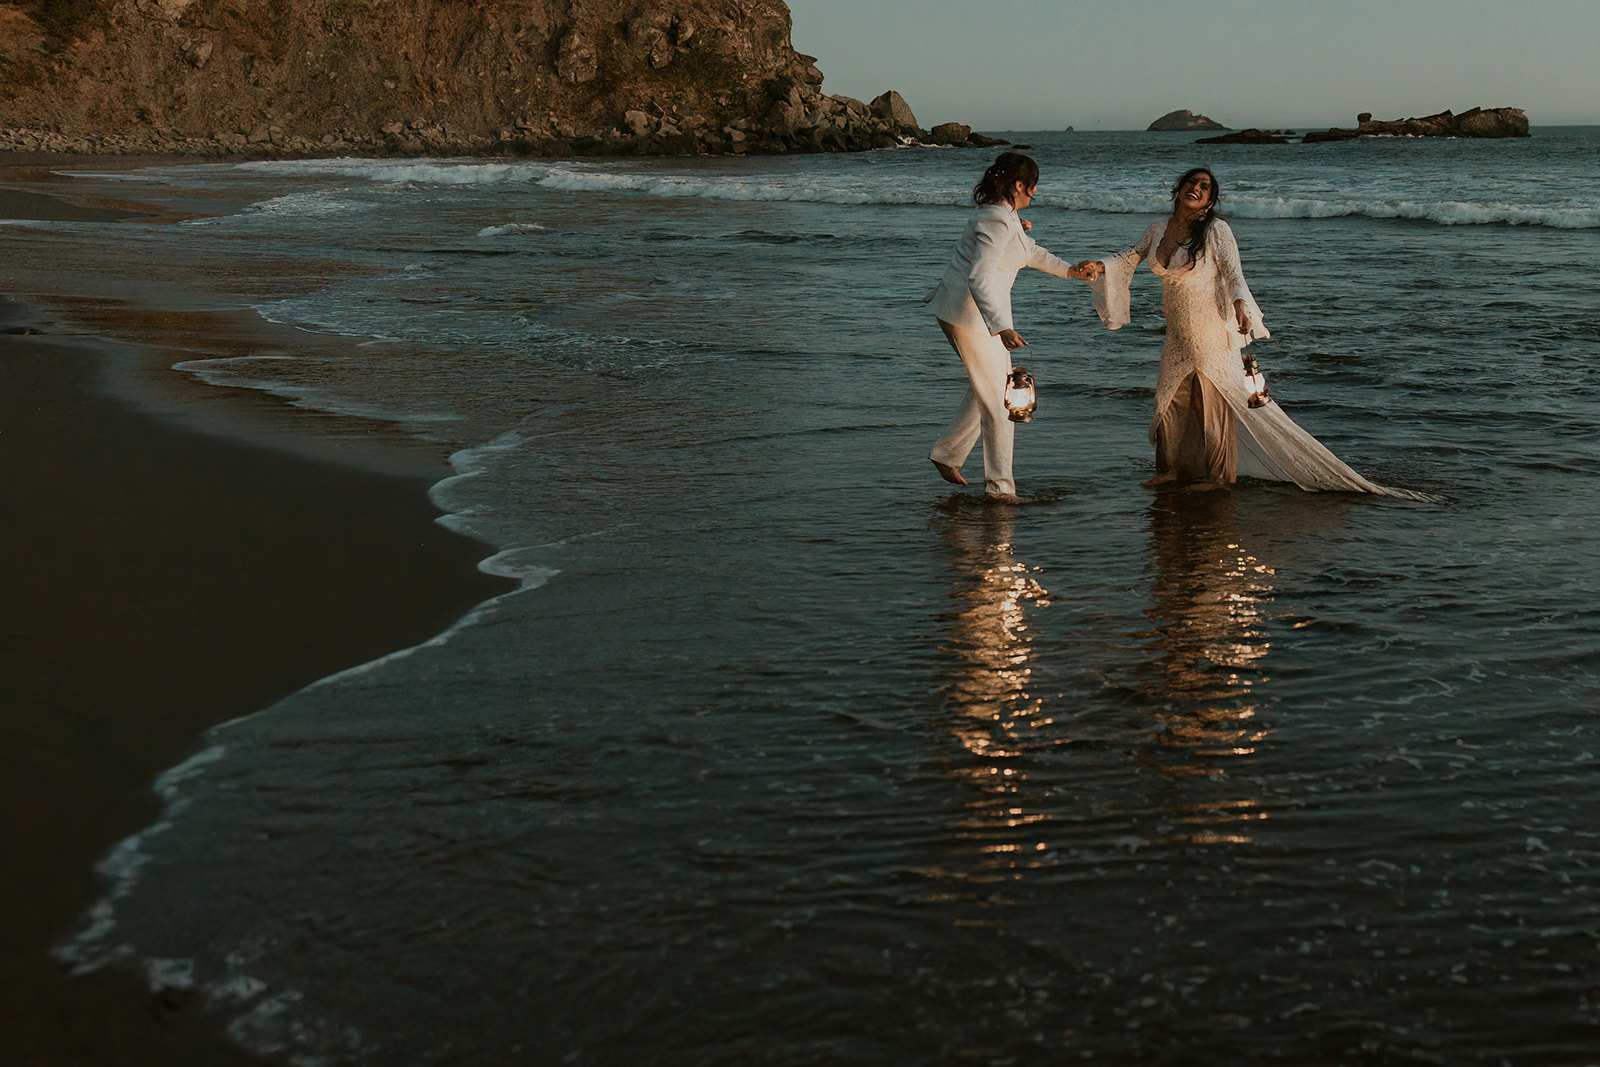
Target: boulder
{"points": [[636, 121], [1496, 122], [892, 108], [577, 61], [854, 107], [949, 133]]}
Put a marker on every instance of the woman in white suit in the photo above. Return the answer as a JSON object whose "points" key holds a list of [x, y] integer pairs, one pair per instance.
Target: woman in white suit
{"points": [[973, 306]]}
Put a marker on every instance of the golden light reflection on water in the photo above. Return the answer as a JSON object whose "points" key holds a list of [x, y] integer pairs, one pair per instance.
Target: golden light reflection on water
{"points": [[1209, 601], [990, 692], [990, 637], [1199, 666], [1210, 598]]}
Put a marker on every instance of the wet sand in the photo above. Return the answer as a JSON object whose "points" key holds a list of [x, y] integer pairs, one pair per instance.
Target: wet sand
{"points": [[159, 579]]}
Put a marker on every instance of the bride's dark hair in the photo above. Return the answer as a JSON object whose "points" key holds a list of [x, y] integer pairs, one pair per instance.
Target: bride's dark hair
{"points": [[1196, 244], [996, 184]]}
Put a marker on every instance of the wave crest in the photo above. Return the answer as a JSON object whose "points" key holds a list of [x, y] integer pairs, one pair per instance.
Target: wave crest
{"points": [[1443, 212], [870, 190]]}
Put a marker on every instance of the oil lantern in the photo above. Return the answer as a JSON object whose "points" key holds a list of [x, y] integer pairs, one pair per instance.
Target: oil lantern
{"points": [[1256, 382], [1020, 400]]}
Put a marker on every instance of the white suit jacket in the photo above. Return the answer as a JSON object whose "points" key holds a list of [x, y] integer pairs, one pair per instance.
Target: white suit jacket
{"points": [[975, 292]]}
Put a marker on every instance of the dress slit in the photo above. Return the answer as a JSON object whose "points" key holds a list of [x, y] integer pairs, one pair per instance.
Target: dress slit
{"points": [[1195, 437]]}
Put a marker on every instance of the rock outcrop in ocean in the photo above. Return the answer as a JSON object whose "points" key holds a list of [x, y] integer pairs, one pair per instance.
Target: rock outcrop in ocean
{"points": [[1183, 121], [422, 76], [1479, 122], [1250, 136]]}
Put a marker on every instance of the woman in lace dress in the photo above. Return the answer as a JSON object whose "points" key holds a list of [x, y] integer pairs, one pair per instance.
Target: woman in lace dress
{"points": [[1204, 430]]}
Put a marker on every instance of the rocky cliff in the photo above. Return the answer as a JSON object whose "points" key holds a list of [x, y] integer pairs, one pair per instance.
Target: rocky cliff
{"points": [[435, 76]]}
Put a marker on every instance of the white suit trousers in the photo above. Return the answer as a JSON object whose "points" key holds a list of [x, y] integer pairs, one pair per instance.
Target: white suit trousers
{"points": [[983, 411]]}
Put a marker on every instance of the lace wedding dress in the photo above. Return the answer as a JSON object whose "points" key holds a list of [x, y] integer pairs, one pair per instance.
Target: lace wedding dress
{"points": [[1203, 420]]}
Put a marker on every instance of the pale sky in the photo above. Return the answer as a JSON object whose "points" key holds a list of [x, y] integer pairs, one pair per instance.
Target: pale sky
{"points": [[1121, 64]]}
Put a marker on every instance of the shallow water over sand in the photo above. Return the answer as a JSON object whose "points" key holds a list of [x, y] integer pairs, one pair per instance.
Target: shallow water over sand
{"points": [[785, 753]]}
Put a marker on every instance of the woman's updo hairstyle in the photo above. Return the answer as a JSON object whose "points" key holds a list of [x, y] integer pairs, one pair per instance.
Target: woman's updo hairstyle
{"points": [[997, 182], [1196, 244]]}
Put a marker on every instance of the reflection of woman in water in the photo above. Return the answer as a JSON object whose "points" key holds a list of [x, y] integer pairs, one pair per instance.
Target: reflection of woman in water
{"points": [[1204, 430], [973, 305], [991, 695], [1210, 635], [1208, 609]]}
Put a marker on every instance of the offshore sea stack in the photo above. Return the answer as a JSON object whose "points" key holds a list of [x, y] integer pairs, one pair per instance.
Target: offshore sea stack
{"points": [[551, 77], [1183, 120], [1479, 122]]}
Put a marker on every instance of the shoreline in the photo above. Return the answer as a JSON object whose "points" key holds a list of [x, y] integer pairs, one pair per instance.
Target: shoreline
{"points": [[175, 556]]}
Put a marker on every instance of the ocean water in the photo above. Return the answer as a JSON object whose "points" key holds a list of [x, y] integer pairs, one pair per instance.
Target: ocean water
{"points": [[782, 752]]}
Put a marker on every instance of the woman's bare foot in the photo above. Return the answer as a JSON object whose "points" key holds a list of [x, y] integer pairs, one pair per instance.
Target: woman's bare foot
{"points": [[1002, 498], [949, 473]]}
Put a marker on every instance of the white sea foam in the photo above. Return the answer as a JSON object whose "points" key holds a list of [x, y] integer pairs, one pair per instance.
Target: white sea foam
{"points": [[97, 944], [151, 177], [238, 989], [606, 177], [630, 177], [510, 229], [169, 974], [291, 313], [424, 172], [245, 372], [306, 205], [1457, 213], [1443, 212], [172, 781], [791, 189], [1281, 207], [469, 464]]}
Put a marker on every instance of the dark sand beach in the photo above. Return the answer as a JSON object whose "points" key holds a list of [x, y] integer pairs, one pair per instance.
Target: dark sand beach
{"points": [[159, 579]]}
